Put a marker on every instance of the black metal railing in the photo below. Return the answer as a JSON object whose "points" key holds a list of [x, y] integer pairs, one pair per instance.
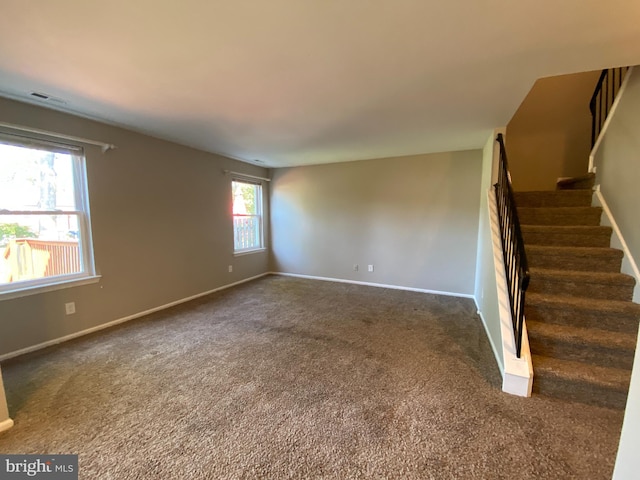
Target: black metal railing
{"points": [[603, 97], [515, 259]]}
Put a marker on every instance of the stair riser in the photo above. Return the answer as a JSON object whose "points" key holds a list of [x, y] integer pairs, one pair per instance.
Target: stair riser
{"points": [[585, 182], [567, 350], [586, 319], [553, 199], [545, 217], [560, 240], [581, 289], [609, 263], [586, 393]]}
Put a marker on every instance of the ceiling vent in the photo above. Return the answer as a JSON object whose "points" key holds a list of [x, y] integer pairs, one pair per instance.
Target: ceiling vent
{"points": [[47, 98]]}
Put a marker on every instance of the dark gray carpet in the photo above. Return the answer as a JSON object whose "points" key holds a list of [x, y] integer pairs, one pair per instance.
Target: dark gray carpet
{"points": [[291, 378]]}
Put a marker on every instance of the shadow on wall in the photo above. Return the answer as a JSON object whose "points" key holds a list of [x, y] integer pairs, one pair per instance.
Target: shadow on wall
{"points": [[549, 136]]}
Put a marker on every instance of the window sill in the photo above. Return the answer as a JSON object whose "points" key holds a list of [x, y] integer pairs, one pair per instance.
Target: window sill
{"points": [[249, 252], [36, 289]]}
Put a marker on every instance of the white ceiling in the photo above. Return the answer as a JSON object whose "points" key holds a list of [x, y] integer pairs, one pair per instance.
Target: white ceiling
{"points": [[293, 82]]}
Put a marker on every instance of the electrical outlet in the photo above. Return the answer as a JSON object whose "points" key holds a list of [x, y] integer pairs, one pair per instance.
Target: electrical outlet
{"points": [[371, 268], [355, 267], [70, 308], [230, 268]]}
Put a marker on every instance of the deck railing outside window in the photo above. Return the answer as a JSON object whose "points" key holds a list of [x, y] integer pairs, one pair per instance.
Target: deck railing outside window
{"points": [[28, 259], [246, 231]]}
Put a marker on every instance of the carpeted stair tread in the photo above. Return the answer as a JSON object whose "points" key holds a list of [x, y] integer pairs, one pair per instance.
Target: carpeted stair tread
{"points": [[569, 236], [591, 384], [602, 259], [611, 377], [586, 336], [560, 215], [553, 198], [584, 303], [602, 285], [581, 182], [590, 345], [581, 323], [610, 315], [585, 251]]}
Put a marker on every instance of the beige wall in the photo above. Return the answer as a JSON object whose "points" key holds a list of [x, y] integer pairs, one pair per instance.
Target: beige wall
{"points": [[550, 134], [414, 218], [162, 230], [618, 173], [618, 164]]}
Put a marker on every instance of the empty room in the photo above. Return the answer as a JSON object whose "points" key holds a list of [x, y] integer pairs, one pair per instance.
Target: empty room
{"points": [[319, 240]]}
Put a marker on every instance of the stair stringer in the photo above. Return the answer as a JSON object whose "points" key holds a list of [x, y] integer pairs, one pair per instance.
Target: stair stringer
{"points": [[517, 378], [629, 265]]}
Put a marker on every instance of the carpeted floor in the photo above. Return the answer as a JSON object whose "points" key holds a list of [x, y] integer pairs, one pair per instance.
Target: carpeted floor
{"points": [[291, 378]]}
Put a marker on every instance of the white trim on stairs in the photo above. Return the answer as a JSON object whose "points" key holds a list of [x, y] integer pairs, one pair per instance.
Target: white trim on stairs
{"points": [[5, 422], [629, 265], [6, 425], [518, 372]]}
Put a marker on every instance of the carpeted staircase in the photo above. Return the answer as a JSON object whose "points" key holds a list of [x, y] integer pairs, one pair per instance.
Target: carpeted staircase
{"points": [[581, 321]]}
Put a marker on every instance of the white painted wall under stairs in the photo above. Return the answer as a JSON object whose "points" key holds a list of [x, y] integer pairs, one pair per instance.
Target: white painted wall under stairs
{"points": [[491, 289]]}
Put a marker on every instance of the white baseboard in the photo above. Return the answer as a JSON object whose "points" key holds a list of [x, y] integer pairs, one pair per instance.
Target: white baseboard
{"points": [[113, 323], [379, 285], [6, 424], [494, 347]]}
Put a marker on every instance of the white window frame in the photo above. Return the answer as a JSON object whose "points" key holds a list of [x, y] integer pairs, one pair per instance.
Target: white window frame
{"points": [[260, 216], [85, 241]]}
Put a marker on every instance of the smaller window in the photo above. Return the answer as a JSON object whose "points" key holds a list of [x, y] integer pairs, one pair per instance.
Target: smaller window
{"points": [[247, 216]]}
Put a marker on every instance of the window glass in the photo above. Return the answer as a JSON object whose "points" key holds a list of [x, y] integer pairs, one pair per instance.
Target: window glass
{"points": [[247, 216], [44, 222]]}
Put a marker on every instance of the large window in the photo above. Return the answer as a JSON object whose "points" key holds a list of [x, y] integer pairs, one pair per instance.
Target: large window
{"points": [[247, 216], [45, 236]]}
